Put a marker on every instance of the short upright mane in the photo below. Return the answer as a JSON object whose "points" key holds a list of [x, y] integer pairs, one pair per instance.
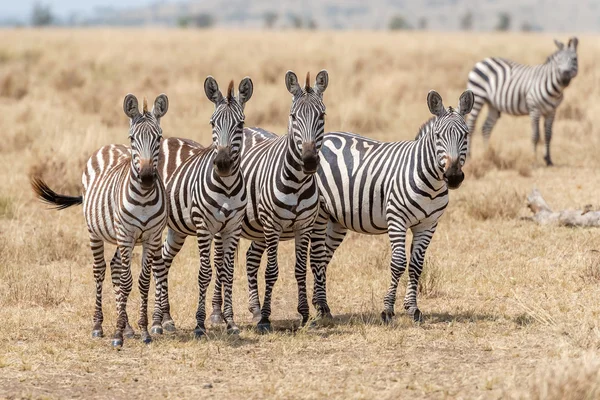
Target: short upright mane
{"points": [[426, 128]]}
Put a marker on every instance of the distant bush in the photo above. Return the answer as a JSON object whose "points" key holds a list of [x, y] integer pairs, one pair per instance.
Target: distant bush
{"points": [[399, 23]]}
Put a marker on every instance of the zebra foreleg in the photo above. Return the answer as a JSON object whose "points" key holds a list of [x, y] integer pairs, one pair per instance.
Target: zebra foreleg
{"points": [[216, 318], [226, 271], [149, 249], [488, 125], [97, 247], [421, 239], [253, 257], [534, 115], [271, 275], [548, 121], [325, 238], [302, 239], [170, 249], [204, 277], [125, 283], [115, 274], [397, 266]]}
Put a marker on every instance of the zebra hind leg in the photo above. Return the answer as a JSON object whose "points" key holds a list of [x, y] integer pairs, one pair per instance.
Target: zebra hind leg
{"points": [[115, 273], [488, 125], [171, 247], [397, 266], [226, 272], [271, 275], [97, 247], [204, 277], [302, 239]]}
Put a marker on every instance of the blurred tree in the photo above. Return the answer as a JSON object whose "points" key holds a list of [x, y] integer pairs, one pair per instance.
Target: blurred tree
{"points": [[183, 21], [203, 20], [399, 22], [41, 15], [526, 26], [270, 18], [466, 21], [503, 21], [296, 21], [311, 24], [423, 23]]}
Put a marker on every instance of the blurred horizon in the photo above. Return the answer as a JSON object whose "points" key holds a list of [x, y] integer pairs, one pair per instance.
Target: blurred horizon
{"points": [[437, 15]]}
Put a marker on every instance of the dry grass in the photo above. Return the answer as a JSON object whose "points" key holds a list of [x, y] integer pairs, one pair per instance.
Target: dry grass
{"points": [[507, 303]]}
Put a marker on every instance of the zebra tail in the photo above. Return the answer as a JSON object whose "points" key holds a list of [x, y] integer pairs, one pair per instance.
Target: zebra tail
{"points": [[49, 196]]}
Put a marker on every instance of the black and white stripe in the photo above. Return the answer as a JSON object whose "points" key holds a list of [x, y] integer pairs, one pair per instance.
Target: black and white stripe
{"points": [[282, 194], [373, 187], [123, 204], [516, 89], [206, 198]]}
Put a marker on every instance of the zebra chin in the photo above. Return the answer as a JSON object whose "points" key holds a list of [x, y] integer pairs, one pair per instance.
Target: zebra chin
{"points": [[147, 177], [310, 164], [223, 162], [454, 180]]}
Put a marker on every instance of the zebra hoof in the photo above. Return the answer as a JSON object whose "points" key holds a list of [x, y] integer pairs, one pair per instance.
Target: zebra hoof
{"points": [[305, 319], [146, 338], [387, 317], [417, 315], [97, 333], [216, 318], [117, 343], [156, 330], [199, 333], [256, 315], [264, 327], [128, 332], [169, 326], [233, 330]]}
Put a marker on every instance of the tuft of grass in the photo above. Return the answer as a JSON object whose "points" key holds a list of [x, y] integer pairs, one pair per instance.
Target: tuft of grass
{"points": [[14, 85], [590, 273], [69, 79], [431, 279], [7, 208], [569, 380], [494, 204]]}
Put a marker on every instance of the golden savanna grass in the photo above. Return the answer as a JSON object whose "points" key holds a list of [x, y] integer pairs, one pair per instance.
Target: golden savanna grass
{"points": [[511, 308]]}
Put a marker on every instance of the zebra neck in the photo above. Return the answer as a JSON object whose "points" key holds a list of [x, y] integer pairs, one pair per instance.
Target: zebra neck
{"points": [[427, 166], [227, 181], [555, 83], [134, 187], [291, 167]]}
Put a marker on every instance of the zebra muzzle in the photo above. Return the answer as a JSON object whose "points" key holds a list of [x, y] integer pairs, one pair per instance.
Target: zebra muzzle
{"points": [[223, 161], [454, 176], [310, 158], [147, 175]]}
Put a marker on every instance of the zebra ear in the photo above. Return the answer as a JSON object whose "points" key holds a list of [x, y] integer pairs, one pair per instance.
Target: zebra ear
{"points": [[321, 81], [465, 102], [434, 102], [211, 88], [291, 82], [161, 105], [558, 44], [573, 42], [130, 106], [246, 89]]}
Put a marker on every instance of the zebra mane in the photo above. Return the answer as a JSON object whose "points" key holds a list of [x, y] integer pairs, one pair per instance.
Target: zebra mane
{"points": [[426, 128], [145, 107], [230, 92]]}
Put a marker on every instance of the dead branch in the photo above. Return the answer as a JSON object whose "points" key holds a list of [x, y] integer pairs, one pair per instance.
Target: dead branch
{"points": [[543, 215]]}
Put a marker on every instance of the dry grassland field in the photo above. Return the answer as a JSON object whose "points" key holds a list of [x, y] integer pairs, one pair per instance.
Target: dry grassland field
{"points": [[511, 308]]}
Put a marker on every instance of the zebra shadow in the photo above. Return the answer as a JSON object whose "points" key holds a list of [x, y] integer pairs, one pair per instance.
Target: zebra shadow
{"points": [[214, 334], [460, 317]]}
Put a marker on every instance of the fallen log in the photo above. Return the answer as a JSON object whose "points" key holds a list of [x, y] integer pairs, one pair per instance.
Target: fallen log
{"points": [[543, 215]]}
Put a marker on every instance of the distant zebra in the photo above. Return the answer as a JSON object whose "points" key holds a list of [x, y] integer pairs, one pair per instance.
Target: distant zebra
{"points": [[206, 197], [283, 195], [374, 187], [516, 89], [123, 204]]}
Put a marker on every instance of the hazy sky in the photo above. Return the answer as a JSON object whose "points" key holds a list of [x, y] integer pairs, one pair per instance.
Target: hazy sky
{"points": [[62, 8]]}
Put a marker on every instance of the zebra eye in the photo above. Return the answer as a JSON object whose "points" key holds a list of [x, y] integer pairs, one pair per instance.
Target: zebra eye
{"points": [[241, 123], [212, 123], [293, 116]]}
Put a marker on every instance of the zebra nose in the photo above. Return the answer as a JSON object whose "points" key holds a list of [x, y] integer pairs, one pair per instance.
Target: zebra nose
{"points": [[454, 175], [310, 157], [223, 161], [147, 173]]}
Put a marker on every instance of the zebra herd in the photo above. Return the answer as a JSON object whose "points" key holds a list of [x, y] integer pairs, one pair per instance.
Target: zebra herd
{"points": [[307, 185]]}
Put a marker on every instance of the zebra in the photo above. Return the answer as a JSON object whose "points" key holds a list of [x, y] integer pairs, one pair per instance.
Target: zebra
{"points": [[206, 196], [517, 89], [124, 204], [374, 187], [283, 196]]}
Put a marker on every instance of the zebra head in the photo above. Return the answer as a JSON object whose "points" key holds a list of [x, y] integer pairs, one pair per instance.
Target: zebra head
{"points": [[227, 123], [307, 118], [565, 59], [450, 135], [145, 135]]}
